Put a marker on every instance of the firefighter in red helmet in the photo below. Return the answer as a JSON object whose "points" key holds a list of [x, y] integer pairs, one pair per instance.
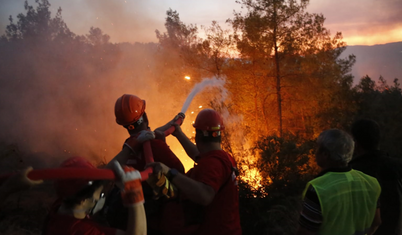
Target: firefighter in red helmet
{"points": [[212, 183], [80, 198], [130, 112]]}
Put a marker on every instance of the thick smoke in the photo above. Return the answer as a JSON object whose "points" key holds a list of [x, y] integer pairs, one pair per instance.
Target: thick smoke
{"points": [[57, 91], [50, 112], [57, 94]]}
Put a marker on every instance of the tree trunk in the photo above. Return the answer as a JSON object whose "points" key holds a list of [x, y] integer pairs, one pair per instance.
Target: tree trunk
{"points": [[277, 73]]}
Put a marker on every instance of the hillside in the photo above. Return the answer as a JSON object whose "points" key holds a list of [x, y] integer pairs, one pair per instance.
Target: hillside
{"points": [[384, 60]]}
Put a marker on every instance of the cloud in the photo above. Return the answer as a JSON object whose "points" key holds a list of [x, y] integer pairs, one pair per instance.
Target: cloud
{"points": [[362, 21]]}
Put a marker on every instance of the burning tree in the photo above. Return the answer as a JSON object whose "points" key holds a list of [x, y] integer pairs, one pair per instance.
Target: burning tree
{"points": [[289, 58]]}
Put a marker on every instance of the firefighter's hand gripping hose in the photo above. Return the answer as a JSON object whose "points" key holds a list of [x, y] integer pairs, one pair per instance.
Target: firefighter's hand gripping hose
{"points": [[145, 136], [159, 181], [178, 119], [161, 185], [129, 181], [134, 143]]}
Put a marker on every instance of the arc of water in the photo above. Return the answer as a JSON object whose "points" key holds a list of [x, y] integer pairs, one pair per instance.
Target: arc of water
{"points": [[199, 87]]}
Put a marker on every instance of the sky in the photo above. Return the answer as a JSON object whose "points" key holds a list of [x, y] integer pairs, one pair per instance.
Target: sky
{"points": [[362, 22]]}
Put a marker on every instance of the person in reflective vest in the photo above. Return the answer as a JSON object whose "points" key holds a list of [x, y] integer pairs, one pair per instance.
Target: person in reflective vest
{"points": [[340, 200]]}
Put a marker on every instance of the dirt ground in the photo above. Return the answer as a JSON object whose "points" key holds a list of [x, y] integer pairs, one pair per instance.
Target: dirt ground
{"points": [[23, 212]]}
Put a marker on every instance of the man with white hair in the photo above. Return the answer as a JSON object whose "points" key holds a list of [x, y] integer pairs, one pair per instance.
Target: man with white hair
{"points": [[340, 200]]}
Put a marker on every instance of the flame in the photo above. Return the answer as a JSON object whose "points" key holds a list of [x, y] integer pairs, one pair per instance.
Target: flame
{"points": [[187, 77]]}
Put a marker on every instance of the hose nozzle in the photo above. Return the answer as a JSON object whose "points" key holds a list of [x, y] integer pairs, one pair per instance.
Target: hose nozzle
{"points": [[182, 115], [178, 120]]}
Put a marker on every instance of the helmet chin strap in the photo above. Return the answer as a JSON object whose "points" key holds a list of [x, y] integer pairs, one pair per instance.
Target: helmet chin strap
{"points": [[135, 124]]}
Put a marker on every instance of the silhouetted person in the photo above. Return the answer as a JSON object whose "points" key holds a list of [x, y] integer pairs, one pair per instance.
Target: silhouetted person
{"points": [[369, 159]]}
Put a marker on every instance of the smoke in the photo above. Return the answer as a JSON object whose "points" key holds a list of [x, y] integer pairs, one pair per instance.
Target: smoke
{"points": [[57, 100], [57, 92], [51, 111]]}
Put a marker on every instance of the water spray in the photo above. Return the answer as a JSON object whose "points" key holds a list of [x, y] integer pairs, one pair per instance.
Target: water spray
{"points": [[197, 89]]}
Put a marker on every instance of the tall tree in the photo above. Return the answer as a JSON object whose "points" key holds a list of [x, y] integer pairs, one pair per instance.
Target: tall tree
{"points": [[287, 50]]}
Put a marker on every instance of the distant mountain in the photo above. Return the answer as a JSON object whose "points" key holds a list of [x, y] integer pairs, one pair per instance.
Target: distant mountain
{"points": [[384, 60]]}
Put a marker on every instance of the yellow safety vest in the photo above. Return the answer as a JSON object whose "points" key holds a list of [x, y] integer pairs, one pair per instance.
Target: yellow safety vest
{"points": [[348, 201]]}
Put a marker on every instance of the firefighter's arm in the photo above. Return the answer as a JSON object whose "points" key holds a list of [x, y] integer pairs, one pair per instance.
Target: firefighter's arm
{"points": [[136, 223], [17, 182], [131, 147], [121, 157], [195, 191], [133, 198], [376, 222], [190, 148], [170, 123]]}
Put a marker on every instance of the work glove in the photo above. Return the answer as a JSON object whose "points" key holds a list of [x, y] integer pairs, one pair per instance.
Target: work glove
{"points": [[129, 181], [145, 136], [134, 142], [161, 185]]}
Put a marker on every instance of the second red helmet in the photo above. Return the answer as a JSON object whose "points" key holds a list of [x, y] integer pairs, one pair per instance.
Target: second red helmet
{"points": [[209, 120]]}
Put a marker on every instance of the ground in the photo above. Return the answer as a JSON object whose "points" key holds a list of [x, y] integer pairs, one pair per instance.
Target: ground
{"points": [[23, 212]]}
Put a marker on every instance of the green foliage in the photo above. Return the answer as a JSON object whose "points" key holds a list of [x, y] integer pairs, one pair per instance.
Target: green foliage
{"points": [[37, 24], [382, 103], [285, 161], [285, 164]]}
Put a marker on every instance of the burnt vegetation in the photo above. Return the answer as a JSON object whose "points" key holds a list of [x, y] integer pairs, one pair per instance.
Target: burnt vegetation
{"points": [[283, 69]]}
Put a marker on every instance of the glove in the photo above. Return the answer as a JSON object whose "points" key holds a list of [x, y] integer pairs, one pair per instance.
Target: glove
{"points": [[145, 136], [130, 184], [161, 185], [134, 142]]}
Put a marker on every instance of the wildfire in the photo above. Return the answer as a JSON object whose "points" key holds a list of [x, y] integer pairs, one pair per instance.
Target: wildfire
{"points": [[187, 77], [252, 177]]}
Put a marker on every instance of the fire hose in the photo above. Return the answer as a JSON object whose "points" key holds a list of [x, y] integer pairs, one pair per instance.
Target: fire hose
{"points": [[93, 174]]}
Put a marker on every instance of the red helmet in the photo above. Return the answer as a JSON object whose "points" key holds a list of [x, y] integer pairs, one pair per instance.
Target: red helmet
{"points": [[67, 188], [209, 120], [128, 109]]}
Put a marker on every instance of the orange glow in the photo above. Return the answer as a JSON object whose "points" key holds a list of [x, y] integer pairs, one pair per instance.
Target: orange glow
{"points": [[394, 35], [253, 178], [187, 77], [177, 149]]}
